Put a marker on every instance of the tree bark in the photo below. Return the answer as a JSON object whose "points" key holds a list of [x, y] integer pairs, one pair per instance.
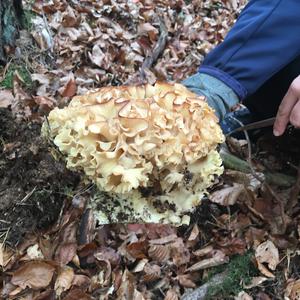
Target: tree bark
{"points": [[11, 15]]}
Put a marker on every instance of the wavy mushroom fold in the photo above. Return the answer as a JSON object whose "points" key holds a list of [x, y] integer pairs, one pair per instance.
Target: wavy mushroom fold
{"points": [[150, 149]]}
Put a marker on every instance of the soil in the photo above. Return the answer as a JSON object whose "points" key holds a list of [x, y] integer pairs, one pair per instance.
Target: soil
{"points": [[33, 185]]}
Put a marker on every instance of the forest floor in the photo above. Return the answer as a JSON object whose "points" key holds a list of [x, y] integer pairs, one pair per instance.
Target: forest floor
{"points": [[243, 240]]}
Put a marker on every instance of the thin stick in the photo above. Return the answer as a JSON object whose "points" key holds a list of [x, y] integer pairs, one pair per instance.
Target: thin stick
{"points": [[157, 50], [278, 199]]}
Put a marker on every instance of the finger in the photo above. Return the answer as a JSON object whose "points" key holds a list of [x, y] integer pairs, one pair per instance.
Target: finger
{"points": [[284, 111], [295, 115]]}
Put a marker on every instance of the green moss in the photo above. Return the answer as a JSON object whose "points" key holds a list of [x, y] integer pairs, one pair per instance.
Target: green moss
{"points": [[27, 19], [7, 82], [240, 270]]}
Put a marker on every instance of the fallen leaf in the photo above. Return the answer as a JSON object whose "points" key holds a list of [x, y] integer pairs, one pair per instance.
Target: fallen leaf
{"points": [[138, 249], [64, 280], [33, 274], [186, 281], [34, 252], [70, 88], [164, 240], [267, 253], [159, 253], [6, 98], [6, 255], [76, 294], [65, 253], [264, 270], [243, 296], [203, 251], [107, 253], [97, 56], [171, 295], [140, 265], [228, 195], [81, 281], [219, 258], [47, 295], [255, 281], [292, 291], [151, 272], [194, 233], [179, 253]]}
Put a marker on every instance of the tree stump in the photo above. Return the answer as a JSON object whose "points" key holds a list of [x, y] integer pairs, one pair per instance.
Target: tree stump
{"points": [[11, 15]]}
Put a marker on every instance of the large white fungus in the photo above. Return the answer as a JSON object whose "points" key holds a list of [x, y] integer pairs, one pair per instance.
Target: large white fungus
{"points": [[150, 149]]}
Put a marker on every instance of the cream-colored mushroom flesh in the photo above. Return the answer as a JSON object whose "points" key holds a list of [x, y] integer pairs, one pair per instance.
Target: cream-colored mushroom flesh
{"points": [[150, 149]]}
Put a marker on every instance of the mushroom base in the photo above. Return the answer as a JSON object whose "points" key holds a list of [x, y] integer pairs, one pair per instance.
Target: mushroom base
{"points": [[173, 207]]}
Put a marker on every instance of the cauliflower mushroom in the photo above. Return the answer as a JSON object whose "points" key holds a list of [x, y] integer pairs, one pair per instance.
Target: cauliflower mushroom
{"points": [[150, 149]]}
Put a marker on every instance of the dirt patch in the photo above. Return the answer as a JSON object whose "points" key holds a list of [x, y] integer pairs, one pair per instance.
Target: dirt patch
{"points": [[33, 185]]}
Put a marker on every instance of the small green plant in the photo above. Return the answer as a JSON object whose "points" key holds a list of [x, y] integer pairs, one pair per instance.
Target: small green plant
{"points": [[7, 82], [240, 270]]}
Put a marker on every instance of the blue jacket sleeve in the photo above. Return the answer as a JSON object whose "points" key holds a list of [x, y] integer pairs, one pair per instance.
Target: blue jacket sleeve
{"points": [[265, 38]]}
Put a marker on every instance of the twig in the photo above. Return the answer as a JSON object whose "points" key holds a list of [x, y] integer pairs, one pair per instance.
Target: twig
{"points": [[294, 194], [201, 292], [157, 50], [278, 199]]}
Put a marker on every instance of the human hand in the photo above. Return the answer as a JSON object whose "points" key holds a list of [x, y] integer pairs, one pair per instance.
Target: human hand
{"points": [[289, 109]]}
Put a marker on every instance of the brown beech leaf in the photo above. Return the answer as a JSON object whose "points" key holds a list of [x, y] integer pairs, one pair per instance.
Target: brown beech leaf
{"points": [[151, 273], [107, 253], [127, 288], [194, 233], [140, 265], [203, 251], [171, 295], [292, 291], [159, 253], [97, 56], [6, 98], [179, 253], [255, 281], [70, 88], [45, 103], [267, 253], [228, 195], [186, 281], [64, 280], [33, 274], [6, 256], [233, 246], [164, 240], [138, 249], [47, 295], [219, 258], [243, 296], [65, 253], [81, 281], [76, 294]]}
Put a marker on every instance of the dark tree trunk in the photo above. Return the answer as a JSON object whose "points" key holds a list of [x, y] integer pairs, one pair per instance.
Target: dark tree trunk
{"points": [[11, 14]]}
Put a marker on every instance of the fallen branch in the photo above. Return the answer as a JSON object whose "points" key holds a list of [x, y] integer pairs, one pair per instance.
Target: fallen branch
{"points": [[231, 161], [202, 291]]}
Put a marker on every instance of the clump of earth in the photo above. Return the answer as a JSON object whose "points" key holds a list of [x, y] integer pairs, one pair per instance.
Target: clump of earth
{"points": [[33, 184]]}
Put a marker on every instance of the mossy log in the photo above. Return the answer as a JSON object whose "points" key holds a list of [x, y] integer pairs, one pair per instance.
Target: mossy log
{"points": [[11, 15]]}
